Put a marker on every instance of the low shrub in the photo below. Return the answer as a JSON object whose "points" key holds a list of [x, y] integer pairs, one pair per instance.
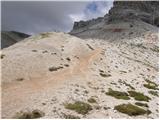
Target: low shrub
{"points": [[80, 107], [118, 94], [131, 110], [139, 96]]}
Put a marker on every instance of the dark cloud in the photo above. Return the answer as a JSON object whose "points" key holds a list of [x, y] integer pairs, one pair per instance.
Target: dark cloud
{"points": [[34, 17]]}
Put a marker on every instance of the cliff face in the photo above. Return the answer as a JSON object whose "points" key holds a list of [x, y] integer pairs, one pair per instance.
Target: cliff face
{"points": [[146, 11]]}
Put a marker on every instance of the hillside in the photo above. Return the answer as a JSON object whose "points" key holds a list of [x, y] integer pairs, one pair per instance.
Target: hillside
{"points": [[10, 37], [101, 69]]}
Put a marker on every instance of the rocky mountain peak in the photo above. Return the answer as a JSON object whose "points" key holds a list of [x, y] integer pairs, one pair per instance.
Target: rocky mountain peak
{"points": [[146, 11]]}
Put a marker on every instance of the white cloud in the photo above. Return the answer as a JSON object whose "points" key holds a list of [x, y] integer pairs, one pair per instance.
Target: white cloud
{"points": [[35, 17]]}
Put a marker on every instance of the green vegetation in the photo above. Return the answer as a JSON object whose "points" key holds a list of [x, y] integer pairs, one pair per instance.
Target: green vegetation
{"points": [[151, 85], [105, 75], [139, 96], [80, 107], [29, 114], [155, 93], [92, 100], [131, 110], [118, 94], [55, 68], [141, 104]]}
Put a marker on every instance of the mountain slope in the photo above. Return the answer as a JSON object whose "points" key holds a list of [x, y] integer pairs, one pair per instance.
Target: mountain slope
{"points": [[93, 72], [10, 37], [49, 70]]}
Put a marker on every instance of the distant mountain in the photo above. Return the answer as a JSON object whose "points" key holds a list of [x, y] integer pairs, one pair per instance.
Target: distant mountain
{"points": [[8, 38]]}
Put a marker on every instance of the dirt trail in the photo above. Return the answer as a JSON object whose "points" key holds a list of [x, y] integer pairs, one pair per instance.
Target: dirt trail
{"points": [[17, 92]]}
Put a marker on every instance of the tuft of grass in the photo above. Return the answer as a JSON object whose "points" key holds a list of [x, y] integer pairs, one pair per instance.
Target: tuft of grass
{"points": [[139, 96], [55, 68], [105, 75], [150, 85], [131, 110], [141, 104], [118, 94], [79, 106], [155, 93], [92, 100], [29, 114]]}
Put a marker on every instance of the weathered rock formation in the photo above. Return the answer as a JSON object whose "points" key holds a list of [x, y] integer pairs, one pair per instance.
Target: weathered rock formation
{"points": [[146, 11]]}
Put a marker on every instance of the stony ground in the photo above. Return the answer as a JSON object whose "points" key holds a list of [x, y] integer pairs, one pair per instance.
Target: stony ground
{"points": [[46, 72]]}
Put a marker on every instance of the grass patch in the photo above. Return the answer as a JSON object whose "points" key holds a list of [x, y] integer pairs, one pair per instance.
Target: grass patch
{"points": [[139, 96], [141, 104], [105, 75], [131, 110], [80, 107], [55, 68], [118, 94], [92, 100], [29, 114], [154, 93], [151, 85]]}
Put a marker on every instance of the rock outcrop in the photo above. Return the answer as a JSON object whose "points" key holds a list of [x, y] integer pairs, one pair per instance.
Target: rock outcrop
{"points": [[9, 38], [146, 11]]}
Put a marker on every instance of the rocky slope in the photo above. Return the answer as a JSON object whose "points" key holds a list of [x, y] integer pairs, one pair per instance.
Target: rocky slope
{"points": [[122, 11], [58, 75], [8, 38]]}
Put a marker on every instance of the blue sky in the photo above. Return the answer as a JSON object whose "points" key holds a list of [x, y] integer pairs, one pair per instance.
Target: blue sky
{"points": [[42, 16], [92, 7]]}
